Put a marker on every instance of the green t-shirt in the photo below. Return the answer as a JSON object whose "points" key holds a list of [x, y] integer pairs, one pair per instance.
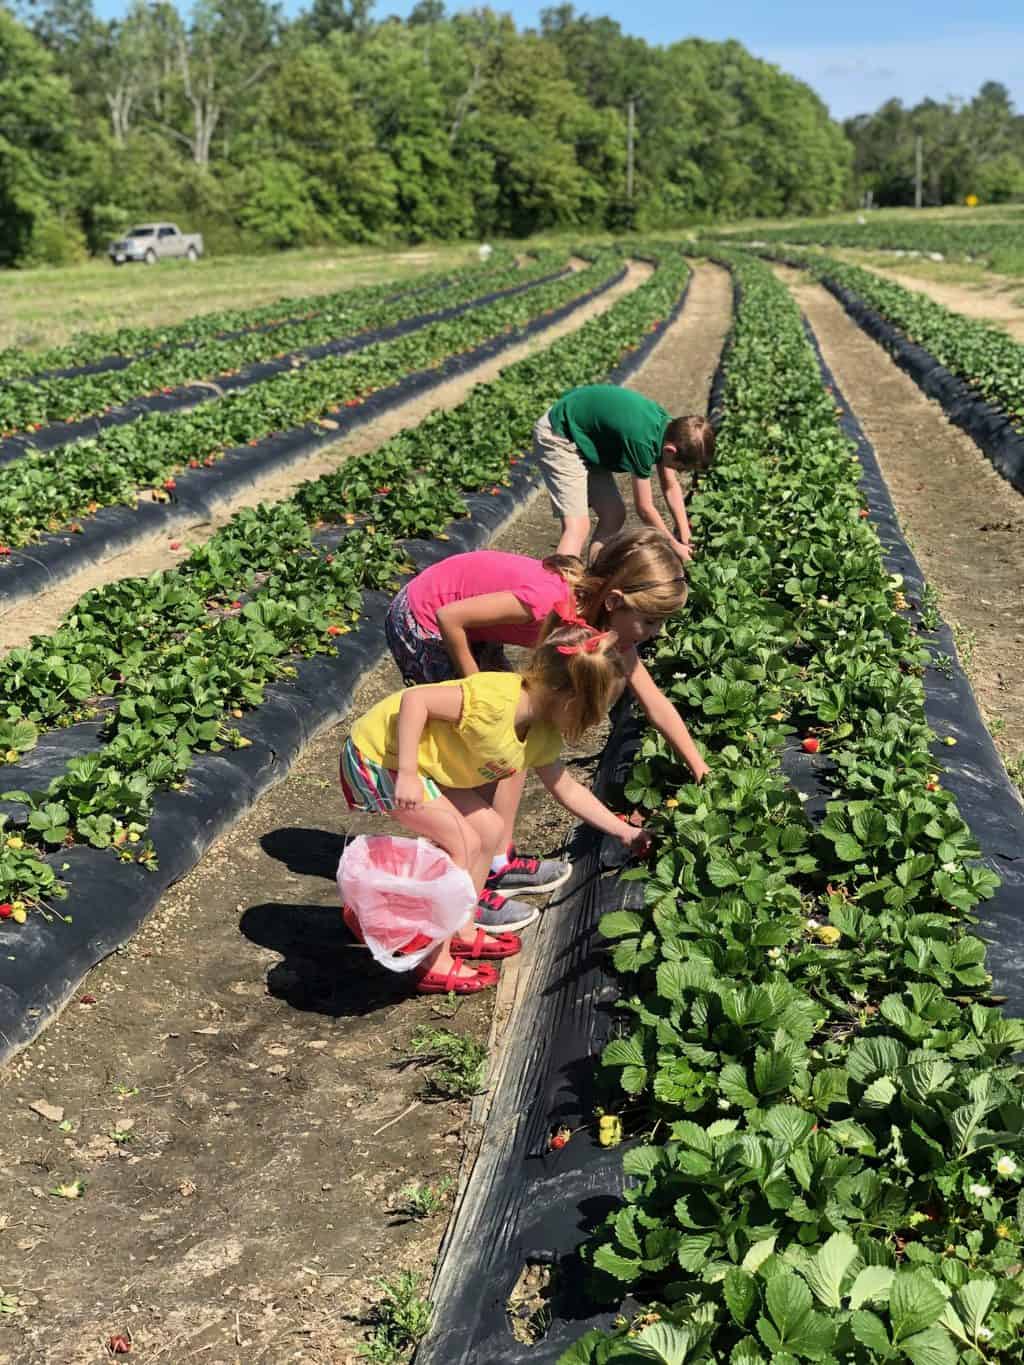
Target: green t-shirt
{"points": [[617, 429]]}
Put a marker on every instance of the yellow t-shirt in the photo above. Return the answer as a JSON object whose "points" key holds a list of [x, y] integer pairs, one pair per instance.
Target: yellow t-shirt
{"points": [[482, 747]]}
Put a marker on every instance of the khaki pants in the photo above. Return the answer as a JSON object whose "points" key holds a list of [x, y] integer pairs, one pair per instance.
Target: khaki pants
{"points": [[573, 484]]}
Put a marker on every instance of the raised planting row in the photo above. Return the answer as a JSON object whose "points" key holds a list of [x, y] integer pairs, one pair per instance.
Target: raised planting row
{"points": [[45, 491], [91, 348], [975, 240], [26, 404], [984, 357], [162, 668], [831, 1115]]}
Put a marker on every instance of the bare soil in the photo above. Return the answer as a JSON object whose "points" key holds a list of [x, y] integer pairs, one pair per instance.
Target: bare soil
{"points": [[44, 612], [964, 522], [256, 1068]]}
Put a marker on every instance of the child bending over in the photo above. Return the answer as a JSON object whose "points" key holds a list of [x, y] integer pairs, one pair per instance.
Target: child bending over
{"points": [[434, 757]]}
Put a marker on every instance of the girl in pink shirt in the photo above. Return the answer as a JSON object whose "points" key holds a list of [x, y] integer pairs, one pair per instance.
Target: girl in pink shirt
{"points": [[452, 620]]}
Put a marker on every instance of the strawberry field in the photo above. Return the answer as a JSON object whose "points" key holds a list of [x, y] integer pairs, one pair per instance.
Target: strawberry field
{"points": [[29, 403], [812, 1145], [164, 457], [976, 241], [808, 1024], [150, 673]]}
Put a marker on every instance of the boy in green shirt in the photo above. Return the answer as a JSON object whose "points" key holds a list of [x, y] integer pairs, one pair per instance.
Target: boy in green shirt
{"points": [[595, 432]]}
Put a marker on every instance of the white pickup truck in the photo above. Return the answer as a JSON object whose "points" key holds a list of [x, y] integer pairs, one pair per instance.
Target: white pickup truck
{"points": [[152, 242]]}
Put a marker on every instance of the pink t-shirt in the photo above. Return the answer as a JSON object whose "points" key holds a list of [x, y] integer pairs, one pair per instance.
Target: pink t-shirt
{"points": [[481, 572]]}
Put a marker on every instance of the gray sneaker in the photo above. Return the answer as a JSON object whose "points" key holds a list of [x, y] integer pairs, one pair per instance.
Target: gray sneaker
{"points": [[498, 915], [528, 876]]}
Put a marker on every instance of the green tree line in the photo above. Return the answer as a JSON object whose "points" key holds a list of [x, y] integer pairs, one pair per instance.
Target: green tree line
{"points": [[338, 127], [973, 146]]}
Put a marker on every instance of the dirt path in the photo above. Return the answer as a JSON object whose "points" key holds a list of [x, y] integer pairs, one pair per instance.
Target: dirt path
{"points": [[964, 522], [253, 1057], [988, 302], [43, 612]]}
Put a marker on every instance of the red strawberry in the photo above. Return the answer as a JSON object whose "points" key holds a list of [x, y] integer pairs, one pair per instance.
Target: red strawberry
{"points": [[170, 485], [334, 630], [5, 549], [235, 605], [352, 402], [175, 545], [87, 1000], [558, 1142], [384, 490], [864, 512], [810, 746], [5, 910], [119, 1345], [193, 464]]}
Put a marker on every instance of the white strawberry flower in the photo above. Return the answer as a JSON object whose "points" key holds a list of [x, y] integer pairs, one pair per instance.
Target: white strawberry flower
{"points": [[724, 1104], [984, 1333], [980, 1191], [950, 867], [813, 923], [774, 952], [1006, 1166]]}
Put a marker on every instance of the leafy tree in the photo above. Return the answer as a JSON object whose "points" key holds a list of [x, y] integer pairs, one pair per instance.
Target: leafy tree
{"points": [[36, 148]]}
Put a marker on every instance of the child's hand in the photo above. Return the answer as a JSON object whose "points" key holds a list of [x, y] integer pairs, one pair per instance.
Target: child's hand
{"points": [[701, 772], [408, 791], [638, 841], [684, 550]]}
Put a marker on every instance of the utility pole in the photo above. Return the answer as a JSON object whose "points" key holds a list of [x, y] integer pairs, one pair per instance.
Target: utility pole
{"points": [[630, 131], [918, 170]]}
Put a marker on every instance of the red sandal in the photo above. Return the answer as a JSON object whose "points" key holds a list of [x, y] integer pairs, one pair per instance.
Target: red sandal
{"points": [[486, 945], [454, 982]]}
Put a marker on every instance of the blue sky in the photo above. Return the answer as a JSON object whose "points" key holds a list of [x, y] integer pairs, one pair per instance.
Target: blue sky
{"points": [[854, 55]]}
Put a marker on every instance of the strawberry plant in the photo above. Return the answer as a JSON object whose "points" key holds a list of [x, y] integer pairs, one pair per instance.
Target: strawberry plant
{"points": [[805, 1025]]}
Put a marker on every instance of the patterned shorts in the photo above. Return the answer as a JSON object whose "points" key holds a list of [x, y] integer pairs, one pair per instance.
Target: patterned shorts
{"points": [[422, 658], [369, 787]]}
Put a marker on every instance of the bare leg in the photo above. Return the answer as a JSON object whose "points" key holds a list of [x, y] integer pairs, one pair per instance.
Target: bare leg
{"points": [[465, 824], [605, 499], [508, 795], [574, 535]]}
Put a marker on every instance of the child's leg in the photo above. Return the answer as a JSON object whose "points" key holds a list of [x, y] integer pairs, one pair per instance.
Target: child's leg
{"points": [[507, 798], [465, 824], [604, 497], [565, 474]]}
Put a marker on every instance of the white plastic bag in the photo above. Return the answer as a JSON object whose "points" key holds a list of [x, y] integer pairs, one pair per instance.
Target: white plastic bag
{"points": [[399, 889]]}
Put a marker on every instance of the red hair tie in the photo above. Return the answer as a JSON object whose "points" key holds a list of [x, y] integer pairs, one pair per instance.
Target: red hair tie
{"points": [[585, 646], [566, 611]]}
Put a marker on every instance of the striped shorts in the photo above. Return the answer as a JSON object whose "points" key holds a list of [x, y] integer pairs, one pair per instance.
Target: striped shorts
{"points": [[369, 787], [423, 658]]}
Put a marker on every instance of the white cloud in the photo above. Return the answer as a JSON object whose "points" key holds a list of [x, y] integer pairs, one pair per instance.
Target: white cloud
{"points": [[855, 78]]}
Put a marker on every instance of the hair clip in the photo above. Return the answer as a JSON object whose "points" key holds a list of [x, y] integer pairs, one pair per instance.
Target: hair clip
{"points": [[585, 646], [566, 611]]}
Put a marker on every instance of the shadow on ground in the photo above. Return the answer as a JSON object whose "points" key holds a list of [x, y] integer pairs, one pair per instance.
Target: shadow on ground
{"points": [[323, 970]]}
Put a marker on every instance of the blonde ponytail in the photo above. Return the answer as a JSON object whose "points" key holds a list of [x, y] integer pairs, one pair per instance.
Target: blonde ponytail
{"points": [[578, 671]]}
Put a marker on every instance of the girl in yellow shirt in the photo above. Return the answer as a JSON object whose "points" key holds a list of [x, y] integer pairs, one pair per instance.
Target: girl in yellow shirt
{"points": [[431, 758]]}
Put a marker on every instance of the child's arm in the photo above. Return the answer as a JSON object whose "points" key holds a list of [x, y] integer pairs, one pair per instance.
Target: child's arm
{"points": [[419, 705], [585, 806], [490, 609], [648, 513], [662, 714], [673, 494]]}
